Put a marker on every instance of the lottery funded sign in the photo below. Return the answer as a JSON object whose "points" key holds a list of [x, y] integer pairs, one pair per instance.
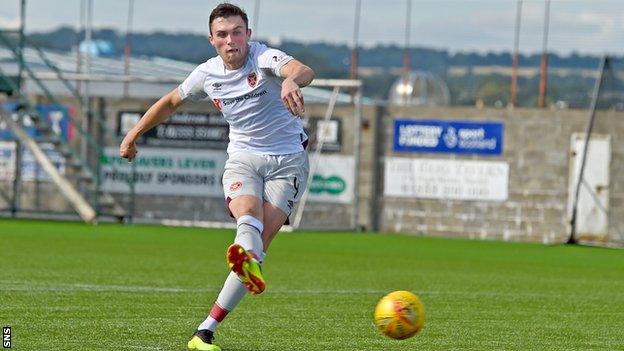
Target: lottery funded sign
{"points": [[441, 136]]}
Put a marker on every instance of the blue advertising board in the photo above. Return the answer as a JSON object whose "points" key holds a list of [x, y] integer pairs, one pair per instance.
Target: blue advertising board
{"points": [[442, 136], [57, 115]]}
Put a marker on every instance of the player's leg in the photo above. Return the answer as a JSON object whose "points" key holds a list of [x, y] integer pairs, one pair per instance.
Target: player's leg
{"points": [[243, 189], [243, 182], [247, 252], [274, 219], [282, 192]]}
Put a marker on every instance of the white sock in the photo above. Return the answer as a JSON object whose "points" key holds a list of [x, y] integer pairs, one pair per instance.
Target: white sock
{"points": [[210, 324], [248, 236]]}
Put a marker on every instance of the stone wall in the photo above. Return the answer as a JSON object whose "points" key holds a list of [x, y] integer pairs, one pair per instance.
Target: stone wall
{"points": [[536, 148]]}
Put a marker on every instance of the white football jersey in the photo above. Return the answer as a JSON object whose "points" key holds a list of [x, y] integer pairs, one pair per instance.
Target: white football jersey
{"points": [[250, 100]]}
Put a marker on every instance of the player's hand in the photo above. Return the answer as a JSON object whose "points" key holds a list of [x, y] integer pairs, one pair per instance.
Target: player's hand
{"points": [[292, 97], [128, 149]]}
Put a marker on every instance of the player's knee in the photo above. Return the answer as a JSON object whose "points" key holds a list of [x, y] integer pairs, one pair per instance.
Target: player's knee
{"points": [[246, 205], [250, 220]]}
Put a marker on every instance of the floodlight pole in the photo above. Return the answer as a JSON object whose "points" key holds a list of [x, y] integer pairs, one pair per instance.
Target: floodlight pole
{"points": [[541, 102], [17, 179], [22, 25], [590, 125], [127, 45], [406, 56], [86, 99], [354, 49], [514, 59], [256, 17]]}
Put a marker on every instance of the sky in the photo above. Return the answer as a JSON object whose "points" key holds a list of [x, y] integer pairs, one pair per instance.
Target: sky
{"points": [[583, 26]]}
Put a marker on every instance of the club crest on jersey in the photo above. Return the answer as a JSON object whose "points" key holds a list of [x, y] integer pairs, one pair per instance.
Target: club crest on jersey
{"points": [[252, 79], [235, 186], [217, 103]]}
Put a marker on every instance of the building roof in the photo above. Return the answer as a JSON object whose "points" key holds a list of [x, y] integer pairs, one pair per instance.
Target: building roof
{"points": [[148, 77]]}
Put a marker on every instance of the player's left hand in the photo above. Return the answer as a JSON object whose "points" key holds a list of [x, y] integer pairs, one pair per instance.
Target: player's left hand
{"points": [[292, 97]]}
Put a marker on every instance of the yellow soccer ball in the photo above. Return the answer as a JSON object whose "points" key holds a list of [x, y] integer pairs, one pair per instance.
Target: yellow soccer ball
{"points": [[400, 315]]}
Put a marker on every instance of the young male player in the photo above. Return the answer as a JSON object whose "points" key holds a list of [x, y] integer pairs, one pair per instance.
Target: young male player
{"points": [[257, 89]]}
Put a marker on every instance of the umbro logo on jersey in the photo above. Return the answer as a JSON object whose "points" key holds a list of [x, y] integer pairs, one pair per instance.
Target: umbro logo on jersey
{"points": [[277, 58], [252, 79], [216, 86]]}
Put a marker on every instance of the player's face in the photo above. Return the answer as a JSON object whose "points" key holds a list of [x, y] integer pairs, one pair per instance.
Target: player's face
{"points": [[229, 36]]}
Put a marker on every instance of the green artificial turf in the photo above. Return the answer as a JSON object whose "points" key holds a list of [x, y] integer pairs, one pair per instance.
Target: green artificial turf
{"points": [[70, 286]]}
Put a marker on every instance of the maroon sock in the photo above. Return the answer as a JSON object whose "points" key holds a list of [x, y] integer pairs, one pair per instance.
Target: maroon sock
{"points": [[218, 313]]}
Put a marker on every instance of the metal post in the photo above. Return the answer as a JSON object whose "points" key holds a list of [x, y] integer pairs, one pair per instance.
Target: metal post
{"points": [[86, 100], [315, 159], [376, 208], [406, 57], [17, 180], [354, 48], [256, 17], [356, 151], [99, 156], [78, 41], [588, 130], [132, 199], [514, 60], [127, 45], [541, 102], [21, 44]]}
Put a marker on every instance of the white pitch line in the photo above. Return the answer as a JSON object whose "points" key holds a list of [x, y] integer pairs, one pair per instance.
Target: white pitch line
{"points": [[76, 287]]}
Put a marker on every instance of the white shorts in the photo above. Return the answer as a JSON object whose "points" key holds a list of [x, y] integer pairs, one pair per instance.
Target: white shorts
{"points": [[277, 179]]}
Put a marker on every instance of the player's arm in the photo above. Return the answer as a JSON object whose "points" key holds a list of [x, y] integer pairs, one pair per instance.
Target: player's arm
{"points": [[155, 115], [296, 76]]}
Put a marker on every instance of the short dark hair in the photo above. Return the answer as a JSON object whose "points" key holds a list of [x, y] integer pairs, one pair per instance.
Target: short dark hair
{"points": [[227, 10]]}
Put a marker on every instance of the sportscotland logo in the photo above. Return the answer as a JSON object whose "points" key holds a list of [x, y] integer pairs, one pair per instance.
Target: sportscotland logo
{"points": [[450, 138]]}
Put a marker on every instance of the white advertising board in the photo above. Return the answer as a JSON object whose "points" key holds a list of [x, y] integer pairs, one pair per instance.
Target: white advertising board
{"points": [[30, 168], [168, 171], [165, 171], [446, 179], [7, 160], [333, 179]]}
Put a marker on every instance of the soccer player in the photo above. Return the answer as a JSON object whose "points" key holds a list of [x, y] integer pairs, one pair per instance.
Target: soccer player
{"points": [[258, 91]]}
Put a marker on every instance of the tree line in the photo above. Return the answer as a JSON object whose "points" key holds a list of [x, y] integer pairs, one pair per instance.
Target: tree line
{"points": [[333, 61]]}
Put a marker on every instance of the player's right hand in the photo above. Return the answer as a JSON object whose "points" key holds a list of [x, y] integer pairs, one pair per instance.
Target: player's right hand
{"points": [[128, 149], [292, 97]]}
